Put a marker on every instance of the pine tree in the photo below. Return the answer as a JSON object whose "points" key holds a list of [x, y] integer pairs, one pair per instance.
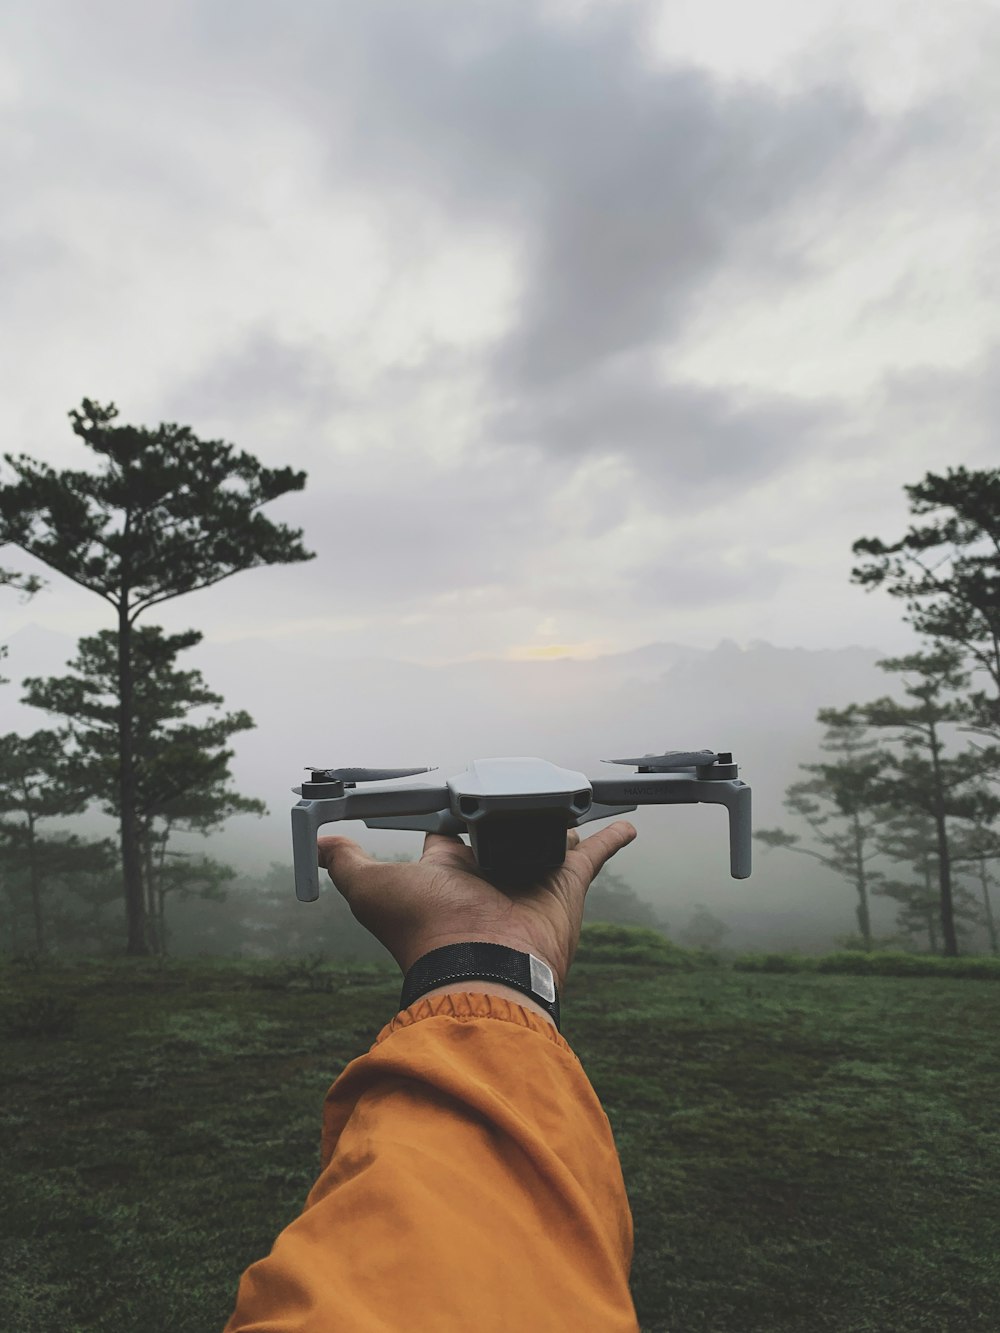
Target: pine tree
{"points": [[848, 791], [163, 519], [910, 838], [183, 876], [949, 570], [923, 778], [36, 784], [180, 768]]}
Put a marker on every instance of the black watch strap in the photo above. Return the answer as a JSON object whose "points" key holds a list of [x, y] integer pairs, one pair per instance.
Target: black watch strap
{"points": [[477, 958]]}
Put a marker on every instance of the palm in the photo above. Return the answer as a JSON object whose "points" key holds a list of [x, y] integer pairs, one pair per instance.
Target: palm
{"points": [[415, 907]]}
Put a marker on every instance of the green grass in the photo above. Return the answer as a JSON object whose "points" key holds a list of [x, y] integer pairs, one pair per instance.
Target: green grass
{"points": [[803, 1150]]}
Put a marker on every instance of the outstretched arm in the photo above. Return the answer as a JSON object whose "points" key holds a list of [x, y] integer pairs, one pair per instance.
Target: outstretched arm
{"points": [[469, 1174]]}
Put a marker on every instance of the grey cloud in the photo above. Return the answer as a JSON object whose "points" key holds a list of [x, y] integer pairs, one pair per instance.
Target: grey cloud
{"points": [[953, 407], [393, 534], [397, 531], [625, 188], [625, 185], [693, 578], [264, 376], [691, 443], [684, 577]]}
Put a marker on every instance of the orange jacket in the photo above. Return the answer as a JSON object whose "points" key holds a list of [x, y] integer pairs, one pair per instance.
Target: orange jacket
{"points": [[469, 1183]]}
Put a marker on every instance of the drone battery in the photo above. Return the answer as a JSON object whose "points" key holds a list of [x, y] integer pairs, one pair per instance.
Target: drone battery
{"points": [[519, 847]]}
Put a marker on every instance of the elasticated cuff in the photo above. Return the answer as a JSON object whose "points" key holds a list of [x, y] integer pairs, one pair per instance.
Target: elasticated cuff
{"points": [[468, 1005]]}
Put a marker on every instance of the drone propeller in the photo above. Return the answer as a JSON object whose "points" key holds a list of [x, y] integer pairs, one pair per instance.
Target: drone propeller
{"points": [[363, 774], [672, 760]]}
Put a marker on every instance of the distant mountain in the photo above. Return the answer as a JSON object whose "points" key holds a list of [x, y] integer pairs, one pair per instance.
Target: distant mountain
{"points": [[759, 701]]}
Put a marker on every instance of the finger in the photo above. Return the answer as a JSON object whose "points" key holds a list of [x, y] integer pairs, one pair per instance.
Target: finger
{"points": [[447, 847], [340, 856], [572, 839], [600, 847]]}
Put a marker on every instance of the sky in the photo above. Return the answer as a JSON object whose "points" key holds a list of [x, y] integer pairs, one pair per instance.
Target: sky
{"points": [[592, 324]]}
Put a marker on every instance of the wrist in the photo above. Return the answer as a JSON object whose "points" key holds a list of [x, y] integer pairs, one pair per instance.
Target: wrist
{"points": [[506, 968], [479, 937]]}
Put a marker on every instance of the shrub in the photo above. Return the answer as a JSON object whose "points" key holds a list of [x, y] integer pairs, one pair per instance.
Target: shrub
{"points": [[770, 962], [41, 1016], [878, 963], [611, 942]]}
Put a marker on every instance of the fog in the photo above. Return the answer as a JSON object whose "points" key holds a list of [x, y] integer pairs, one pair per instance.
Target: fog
{"points": [[759, 701]]}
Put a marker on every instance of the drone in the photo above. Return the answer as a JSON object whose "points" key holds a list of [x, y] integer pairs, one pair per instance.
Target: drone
{"points": [[516, 811]]}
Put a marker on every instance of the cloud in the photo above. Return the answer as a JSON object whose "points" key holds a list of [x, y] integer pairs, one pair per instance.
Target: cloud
{"points": [[691, 444], [267, 376], [272, 224], [621, 183]]}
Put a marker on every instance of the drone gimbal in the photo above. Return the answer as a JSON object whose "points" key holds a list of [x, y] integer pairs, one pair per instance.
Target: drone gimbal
{"points": [[515, 811]]}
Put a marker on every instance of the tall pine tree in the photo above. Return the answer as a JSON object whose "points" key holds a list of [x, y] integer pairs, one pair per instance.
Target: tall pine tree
{"points": [[924, 778], [948, 570], [847, 791], [169, 514]]}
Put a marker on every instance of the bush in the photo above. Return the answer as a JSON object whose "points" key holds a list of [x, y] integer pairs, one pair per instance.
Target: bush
{"points": [[771, 962], [311, 973], [41, 1016], [884, 963], [609, 942]]}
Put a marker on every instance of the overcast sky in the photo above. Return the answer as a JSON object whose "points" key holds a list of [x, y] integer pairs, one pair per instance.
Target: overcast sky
{"points": [[592, 324]]}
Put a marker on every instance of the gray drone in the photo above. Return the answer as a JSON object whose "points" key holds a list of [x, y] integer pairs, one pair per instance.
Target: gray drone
{"points": [[515, 811]]}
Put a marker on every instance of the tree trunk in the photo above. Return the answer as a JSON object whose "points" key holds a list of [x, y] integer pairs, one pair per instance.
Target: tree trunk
{"points": [[11, 920], [864, 918], [154, 931], [35, 881], [944, 855], [162, 920], [131, 852], [944, 874], [149, 897], [932, 933], [161, 893], [991, 925]]}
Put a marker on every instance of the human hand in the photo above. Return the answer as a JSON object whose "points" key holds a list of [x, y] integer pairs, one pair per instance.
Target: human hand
{"points": [[444, 898]]}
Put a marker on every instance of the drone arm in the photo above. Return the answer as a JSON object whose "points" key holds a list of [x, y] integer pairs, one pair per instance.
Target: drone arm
{"points": [[308, 815], [597, 811], [442, 821], [668, 789]]}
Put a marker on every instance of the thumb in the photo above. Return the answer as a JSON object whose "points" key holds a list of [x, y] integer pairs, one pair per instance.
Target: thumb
{"points": [[342, 858], [600, 847]]}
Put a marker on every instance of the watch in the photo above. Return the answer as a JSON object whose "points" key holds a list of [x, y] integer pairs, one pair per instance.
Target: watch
{"points": [[477, 958]]}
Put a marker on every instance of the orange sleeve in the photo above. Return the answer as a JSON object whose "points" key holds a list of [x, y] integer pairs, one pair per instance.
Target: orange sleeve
{"points": [[469, 1181]]}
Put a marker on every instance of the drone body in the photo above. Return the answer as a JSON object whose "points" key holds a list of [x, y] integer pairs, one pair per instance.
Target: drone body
{"points": [[516, 811]]}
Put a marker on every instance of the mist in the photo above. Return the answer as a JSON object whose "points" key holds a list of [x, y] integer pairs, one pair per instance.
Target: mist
{"points": [[759, 701]]}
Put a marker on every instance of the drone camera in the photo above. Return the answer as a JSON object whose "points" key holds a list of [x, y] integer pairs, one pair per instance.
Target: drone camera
{"points": [[519, 846]]}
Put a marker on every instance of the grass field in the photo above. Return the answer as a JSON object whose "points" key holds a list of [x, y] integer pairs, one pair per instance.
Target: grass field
{"points": [[802, 1151]]}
